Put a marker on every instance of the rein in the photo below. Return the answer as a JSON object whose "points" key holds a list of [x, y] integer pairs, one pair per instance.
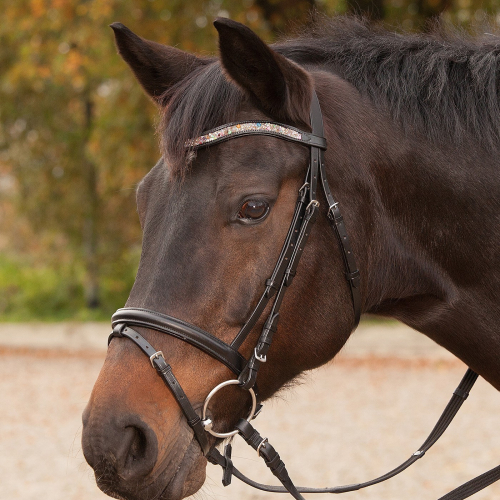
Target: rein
{"points": [[246, 371]]}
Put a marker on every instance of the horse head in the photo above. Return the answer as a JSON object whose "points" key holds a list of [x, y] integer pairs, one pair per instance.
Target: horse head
{"points": [[214, 220]]}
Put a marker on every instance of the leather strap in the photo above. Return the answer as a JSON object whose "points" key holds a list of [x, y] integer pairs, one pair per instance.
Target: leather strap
{"points": [[273, 283], [337, 224], [228, 466], [269, 454], [474, 485], [459, 396], [184, 331], [166, 374], [316, 117], [248, 376]]}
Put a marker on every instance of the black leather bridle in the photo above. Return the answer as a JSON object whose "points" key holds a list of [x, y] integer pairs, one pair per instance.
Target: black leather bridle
{"points": [[281, 278]]}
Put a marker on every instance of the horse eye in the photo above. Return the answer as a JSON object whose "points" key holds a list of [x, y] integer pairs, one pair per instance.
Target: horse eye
{"points": [[253, 210]]}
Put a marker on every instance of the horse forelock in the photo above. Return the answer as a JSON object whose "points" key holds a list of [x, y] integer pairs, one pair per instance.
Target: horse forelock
{"points": [[202, 101]]}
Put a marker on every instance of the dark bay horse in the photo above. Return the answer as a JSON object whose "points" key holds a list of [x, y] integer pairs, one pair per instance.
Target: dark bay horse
{"points": [[412, 124]]}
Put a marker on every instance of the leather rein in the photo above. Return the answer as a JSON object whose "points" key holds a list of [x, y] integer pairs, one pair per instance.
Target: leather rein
{"points": [[246, 371]]}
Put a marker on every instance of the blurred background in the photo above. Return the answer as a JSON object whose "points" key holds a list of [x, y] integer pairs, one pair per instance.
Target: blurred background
{"points": [[77, 134]]}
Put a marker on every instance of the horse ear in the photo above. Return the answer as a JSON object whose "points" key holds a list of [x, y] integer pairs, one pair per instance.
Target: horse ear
{"points": [[156, 66], [278, 86]]}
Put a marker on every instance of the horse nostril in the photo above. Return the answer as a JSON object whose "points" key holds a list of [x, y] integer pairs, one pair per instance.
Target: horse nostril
{"points": [[138, 445], [136, 450], [123, 447]]}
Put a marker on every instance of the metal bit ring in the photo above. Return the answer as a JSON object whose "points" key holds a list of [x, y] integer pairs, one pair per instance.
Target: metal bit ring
{"points": [[208, 424]]}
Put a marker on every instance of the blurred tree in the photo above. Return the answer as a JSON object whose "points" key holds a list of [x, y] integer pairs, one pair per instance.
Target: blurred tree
{"points": [[373, 9], [415, 14], [432, 8], [280, 14], [59, 89]]}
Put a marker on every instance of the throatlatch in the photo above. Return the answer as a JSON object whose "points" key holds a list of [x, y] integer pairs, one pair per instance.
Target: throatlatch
{"points": [[281, 278]]}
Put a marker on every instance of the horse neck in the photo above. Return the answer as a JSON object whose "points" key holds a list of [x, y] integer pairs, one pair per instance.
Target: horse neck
{"points": [[423, 226]]}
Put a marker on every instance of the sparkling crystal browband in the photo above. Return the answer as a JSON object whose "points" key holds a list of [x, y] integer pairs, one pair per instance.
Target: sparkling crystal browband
{"points": [[261, 128]]}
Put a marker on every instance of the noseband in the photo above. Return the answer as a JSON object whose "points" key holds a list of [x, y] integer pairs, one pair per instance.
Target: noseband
{"points": [[246, 371]]}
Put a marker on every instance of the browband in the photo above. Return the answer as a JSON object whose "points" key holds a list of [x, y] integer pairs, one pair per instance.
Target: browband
{"points": [[233, 130]]}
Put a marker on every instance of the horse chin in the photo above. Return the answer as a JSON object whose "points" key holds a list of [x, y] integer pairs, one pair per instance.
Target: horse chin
{"points": [[189, 477]]}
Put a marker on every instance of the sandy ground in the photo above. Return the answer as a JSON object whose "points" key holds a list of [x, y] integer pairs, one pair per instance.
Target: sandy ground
{"points": [[350, 421]]}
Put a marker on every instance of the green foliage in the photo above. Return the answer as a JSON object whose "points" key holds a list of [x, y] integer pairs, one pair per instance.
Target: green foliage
{"points": [[28, 292], [31, 291]]}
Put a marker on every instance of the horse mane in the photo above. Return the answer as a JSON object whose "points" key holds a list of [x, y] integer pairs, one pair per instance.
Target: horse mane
{"points": [[445, 83]]}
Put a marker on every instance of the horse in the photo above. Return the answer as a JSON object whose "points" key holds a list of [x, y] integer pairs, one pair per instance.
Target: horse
{"points": [[412, 127]]}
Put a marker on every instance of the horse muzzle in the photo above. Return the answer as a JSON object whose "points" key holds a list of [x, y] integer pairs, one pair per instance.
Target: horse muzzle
{"points": [[124, 453]]}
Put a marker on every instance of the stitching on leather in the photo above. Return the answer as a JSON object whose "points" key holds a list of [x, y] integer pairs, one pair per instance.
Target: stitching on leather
{"points": [[195, 343], [164, 316], [220, 343]]}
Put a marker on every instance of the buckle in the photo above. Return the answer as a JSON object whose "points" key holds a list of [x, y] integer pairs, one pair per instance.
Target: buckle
{"points": [[258, 357], [262, 444], [353, 278], [331, 214], [304, 186], [312, 203], [156, 355]]}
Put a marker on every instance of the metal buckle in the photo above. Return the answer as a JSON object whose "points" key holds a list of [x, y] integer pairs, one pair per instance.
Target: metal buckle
{"points": [[156, 355], [330, 214], [258, 357], [312, 203], [262, 444], [306, 184]]}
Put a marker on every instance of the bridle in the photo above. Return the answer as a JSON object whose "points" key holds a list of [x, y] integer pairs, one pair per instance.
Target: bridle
{"points": [[280, 280]]}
